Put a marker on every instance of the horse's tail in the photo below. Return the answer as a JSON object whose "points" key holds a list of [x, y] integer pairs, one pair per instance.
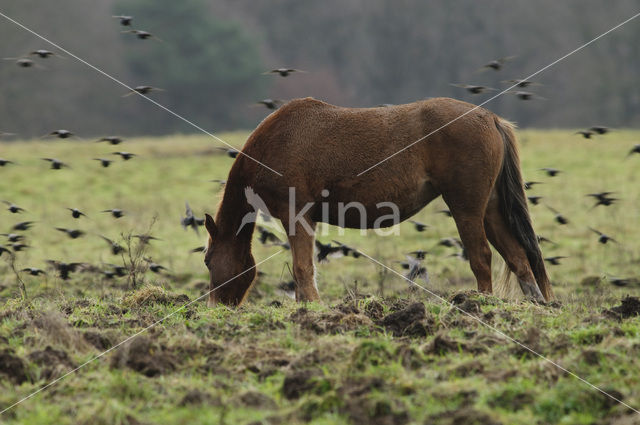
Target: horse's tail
{"points": [[514, 210]]}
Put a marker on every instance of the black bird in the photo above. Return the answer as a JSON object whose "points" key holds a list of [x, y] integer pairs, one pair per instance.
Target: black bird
{"points": [[419, 254], [61, 134], [17, 247], [23, 226], [33, 271], [529, 185], [14, 208], [602, 238], [525, 95], [473, 89], [72, 233], [124, 20], [115, 212], [559, 217], [451, 243], [155, 267], [146, 239], [56, 164], [230, 152], [554, 261], [535, 200], [521, 83], [585, 133], [64, 269], [3, 250], [542, 239], [142, 90], [623, 281], [497, 64], [76, 213], [190, 220], [326, 250], [104, 162], [142, 35], [25, 63], [634, 149], [4, 162], [125, 155], [416, 269], [42, 53], [119, 271], [113, 140], [600, 129], [284, 72], [551, 172], [13, 237], [420, 227], [270, 103], [265, 236], [603, 198], [445, 212], [198, 249], [346, 250], [220, 182], [116, 248]]}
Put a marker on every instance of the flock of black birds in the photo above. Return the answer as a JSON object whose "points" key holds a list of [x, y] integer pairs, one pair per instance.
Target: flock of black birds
{"points": [[413, 262]]}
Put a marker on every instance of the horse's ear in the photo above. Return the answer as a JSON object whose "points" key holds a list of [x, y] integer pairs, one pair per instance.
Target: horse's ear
{"points": [[210, 225]]}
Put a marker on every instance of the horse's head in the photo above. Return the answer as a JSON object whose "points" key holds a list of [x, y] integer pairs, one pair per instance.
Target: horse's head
{"points": [[231, 265]]}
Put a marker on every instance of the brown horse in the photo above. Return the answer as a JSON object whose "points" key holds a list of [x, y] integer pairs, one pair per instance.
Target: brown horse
{"points": [[320, 149]]}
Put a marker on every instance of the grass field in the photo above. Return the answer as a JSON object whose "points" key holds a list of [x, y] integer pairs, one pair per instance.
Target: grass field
{"points": [[374, 351]]}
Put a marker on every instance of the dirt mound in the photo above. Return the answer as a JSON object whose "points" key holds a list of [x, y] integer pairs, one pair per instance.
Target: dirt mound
{"points": [[334, 322], [54, 362], [150, 295], [12, 367], [257, 399], [441, 344], [629, 307], [463, 416], [99, 340], [363, 411], [145, 357], [407, 322], [197, 397], [298, 383]]}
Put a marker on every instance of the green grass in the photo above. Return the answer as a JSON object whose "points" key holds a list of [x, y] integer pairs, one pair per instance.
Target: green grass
{"points": [[328, 363]]}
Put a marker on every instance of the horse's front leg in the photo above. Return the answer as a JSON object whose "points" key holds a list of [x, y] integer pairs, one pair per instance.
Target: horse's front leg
{"points": [[302, 243]]}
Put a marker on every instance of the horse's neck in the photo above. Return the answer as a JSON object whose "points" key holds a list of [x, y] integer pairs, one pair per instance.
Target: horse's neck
{"points": [[229, 218]]}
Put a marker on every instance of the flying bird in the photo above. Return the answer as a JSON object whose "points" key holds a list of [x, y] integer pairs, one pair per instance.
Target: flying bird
{"points": [[347, 250], [13, 237], [4, 249], [473, 89], [146, 239], [64, 269], [76, 213], [142, 35], [116, 248], [445, 212], [603, 238], [190, 220], [72, 233], [13, 208], [585, 133], [521, 83], [142, 90], [283, 72], [22, 226], [56, 164], [44, 54], [554, 261], [124, 155], [230, 152], [33, 271], [419, 254], [103, 161], [61, 134], [265, 236], [525, 95], [115, 212], [4, 162], [603, 198], [497, 64], [18, 246], [270, 103], [420, 227], [113, 140], [634, 149], [415, 270], [600, 129], [541, 239], [323, 251], [529, 185], [551, 172], [558, 217], [535, 200], [124, 20]]}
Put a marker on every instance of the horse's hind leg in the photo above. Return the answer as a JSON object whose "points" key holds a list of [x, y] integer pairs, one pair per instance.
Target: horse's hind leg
{"points": [[510, 249], [469, 220], [302, 243]]}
